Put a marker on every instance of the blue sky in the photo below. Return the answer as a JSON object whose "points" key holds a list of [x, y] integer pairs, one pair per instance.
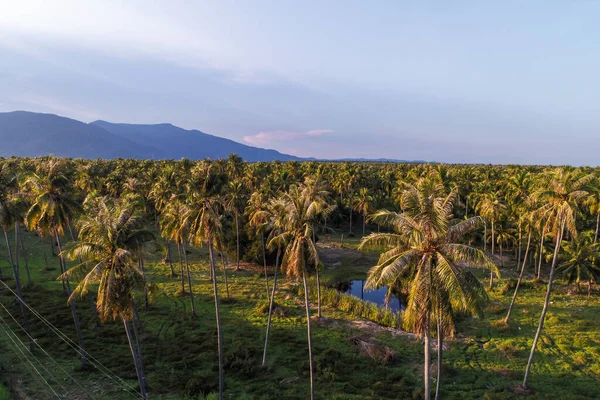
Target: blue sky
{"points": [[460, 81]]}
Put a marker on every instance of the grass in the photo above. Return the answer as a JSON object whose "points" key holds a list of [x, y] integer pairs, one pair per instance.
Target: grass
{"points": [[486, 360]]}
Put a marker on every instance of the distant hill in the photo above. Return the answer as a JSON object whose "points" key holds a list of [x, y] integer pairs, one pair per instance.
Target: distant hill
{"points": [[28, 134], [176, 142]]}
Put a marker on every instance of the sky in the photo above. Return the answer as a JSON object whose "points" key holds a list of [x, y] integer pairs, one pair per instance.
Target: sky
{"points": [[460, 81]]}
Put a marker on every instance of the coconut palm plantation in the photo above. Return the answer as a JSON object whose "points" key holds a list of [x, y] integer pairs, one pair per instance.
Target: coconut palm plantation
{"points": [[232, 280]]}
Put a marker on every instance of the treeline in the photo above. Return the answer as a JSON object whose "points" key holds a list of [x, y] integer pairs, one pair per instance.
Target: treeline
{"points": [[273, 213]]}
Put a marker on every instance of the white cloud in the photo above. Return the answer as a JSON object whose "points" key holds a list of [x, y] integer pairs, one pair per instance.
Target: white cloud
{"points": [[265, 138]]}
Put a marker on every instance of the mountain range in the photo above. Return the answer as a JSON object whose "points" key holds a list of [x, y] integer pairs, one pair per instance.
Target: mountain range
{"points": [[29, 134]]}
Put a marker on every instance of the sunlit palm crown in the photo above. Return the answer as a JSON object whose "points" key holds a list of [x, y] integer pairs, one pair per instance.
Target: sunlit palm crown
{"points": [[110, 235], [424, 255], [563, 191]]}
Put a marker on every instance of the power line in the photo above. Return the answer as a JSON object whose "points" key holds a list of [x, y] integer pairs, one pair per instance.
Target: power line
{"points": [[33, 355], [25, 356], [44, 351], [102, 368]]}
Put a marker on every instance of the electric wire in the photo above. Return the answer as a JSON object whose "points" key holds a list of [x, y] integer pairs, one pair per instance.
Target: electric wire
{"points": [[44, 351], [102, 368], [3, 327]]}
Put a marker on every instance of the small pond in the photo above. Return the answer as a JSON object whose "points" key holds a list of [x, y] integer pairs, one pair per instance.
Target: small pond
{"points": [[377, 296]]}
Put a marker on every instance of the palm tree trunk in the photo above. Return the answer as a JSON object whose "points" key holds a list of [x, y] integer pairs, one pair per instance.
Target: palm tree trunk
{"points": [[310, 353], [271, 302], [136, 335], [71, 303], [319, 315], [597, 227], [364, 223], [138, 371], [181, 267], [519, 251], [466, 206], [169, 257], [262, 237], [147, 300], [427, 349], [45, 256], [15, 268], [546, 303], [493, 237], [218, 318], [189, 278], [440, 345], [25, 258], [237, 234], [350, 219], [539, 267], [485, 237], [492, 272], [514, 298], [225, 275]]}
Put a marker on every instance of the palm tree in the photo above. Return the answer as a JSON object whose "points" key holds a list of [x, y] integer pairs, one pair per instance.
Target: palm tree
{"points": [[174, 226], [561, 198], [519, 185], [363, 203], [520, 279], [490, 208], [52, 209], [424, 253], [110, 235], [276, 214], [205, 227], [10, 208], [300, 251], [579, 260], [258, 219], [315, 191], [593, 202], [235, 200]]}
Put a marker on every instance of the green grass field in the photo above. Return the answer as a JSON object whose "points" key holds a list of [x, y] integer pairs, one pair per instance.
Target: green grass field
{"points": [[486, 360]]}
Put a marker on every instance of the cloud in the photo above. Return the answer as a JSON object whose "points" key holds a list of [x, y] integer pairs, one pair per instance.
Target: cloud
{"points": [[265, 138]]}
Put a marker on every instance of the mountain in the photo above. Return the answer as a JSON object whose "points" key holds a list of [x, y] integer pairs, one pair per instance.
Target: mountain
{"points": [[177, 142], [29, 134]]}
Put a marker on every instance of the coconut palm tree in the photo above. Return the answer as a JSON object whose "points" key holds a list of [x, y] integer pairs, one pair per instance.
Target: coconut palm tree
{"points": [[424, 252], [593, 203], [565, 190], [235, 199], [52, 209], [110, 234], [276, 214], [315, 191], [204, 201], [578, 260], [257, 212], [491, 208], [174, 226], [10, 209], [521, 273], [363, 203], [300, 250], [519, 186]]}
